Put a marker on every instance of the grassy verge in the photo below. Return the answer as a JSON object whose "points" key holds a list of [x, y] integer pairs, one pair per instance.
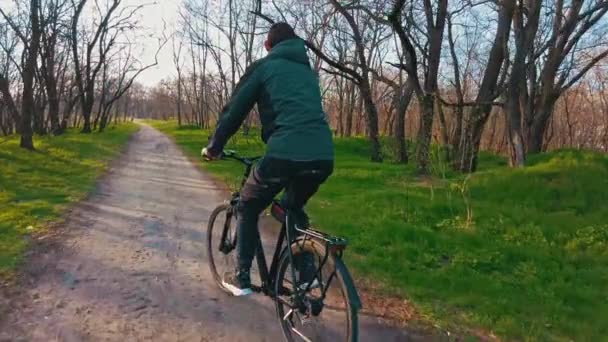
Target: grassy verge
{"points": [[36, 186], [523, 253]]}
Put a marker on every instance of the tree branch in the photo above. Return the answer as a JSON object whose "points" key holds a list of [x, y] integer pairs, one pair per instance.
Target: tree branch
{"points": [[468, 104], [14, 27], [371, 14], [340, 74], [352, 73], [263, 16], [584, 70], [411, 66], [383, 78]]}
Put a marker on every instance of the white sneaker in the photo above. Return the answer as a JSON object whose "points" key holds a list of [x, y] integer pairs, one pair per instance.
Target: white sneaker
{"points": [[237, 286], [315, 284]]}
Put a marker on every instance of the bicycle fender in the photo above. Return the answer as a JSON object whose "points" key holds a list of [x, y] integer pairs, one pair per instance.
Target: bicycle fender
{"points": [[353, 295]]}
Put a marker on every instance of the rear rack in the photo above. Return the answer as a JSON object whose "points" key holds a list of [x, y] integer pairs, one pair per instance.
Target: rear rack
{"points": [[334, 244], [328, 239]]}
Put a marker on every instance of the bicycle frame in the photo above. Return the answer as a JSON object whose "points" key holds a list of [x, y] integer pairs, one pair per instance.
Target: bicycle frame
{"points": [[267, 276], [334, 245], [288, 277]]}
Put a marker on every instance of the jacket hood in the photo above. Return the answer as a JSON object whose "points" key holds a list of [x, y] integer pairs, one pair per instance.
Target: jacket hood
{"points": [[292, 49]]}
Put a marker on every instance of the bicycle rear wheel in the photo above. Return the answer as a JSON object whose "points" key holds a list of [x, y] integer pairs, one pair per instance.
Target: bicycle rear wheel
{"points": [[325, 312], [221, 243]]}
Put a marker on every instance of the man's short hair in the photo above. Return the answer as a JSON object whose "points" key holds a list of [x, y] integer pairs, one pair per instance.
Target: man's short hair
{"points": [[280, 32]]}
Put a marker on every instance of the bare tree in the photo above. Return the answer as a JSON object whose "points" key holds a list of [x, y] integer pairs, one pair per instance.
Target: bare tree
{"points": [[10, 112], [126, 69], [569, 50], [100, 41], [490, 88], [177, 54], [30, 38], [430, 57], [524, 28], [363, 81], [53, 60]]}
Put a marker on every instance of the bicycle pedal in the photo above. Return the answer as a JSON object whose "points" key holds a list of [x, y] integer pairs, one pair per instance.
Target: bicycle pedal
{"points": [[316, 307], [257, 289]]}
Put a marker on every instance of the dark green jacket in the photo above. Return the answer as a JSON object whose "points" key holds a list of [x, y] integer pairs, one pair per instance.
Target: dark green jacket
{"points": [[286, 90]]}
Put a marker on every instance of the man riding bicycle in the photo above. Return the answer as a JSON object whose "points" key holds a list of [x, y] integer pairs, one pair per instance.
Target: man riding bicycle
{"points": [[299, 146]]}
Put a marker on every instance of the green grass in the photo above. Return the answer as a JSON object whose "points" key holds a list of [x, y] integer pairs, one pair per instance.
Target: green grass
{"points": [[528, 262], [36, 186]]}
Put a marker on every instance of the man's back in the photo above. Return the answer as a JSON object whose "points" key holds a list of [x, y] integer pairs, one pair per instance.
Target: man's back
{"points": [[294, 124], [287, 92]]}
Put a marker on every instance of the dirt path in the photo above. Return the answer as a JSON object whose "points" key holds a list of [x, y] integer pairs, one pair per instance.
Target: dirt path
{"points": [[131, 265]]}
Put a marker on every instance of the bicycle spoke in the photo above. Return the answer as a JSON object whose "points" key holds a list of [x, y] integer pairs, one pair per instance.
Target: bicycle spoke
{"points": [[301, 335], [289, 317], [289, 313], [286, 302], [321, 314]]}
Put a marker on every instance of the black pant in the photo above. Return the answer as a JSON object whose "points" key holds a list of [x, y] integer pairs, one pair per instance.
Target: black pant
{"points": [[300, 179]]}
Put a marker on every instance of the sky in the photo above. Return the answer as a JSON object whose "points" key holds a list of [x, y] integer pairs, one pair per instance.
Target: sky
{"points": [[155, 17], [152, 17]]}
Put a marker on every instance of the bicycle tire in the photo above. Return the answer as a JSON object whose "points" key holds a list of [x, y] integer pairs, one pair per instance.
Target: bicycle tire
{"points": [[213, 237], [343, 277]]}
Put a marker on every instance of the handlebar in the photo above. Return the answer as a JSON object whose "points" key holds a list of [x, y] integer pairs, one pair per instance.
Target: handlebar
{"points": [[229, 154]]}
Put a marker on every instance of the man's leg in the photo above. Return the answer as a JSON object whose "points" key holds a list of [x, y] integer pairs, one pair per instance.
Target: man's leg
{"points": [[302, 187], [257, 193]]}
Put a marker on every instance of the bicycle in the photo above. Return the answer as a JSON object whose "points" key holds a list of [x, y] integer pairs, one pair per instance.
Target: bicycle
{"points": [[298, 305]]}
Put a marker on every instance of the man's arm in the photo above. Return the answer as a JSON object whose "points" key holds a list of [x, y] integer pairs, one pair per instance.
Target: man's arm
{"points": [[234, 113]]}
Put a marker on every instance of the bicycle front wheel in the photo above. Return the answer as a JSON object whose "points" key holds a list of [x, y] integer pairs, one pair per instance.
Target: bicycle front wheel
{"points": [[319, 309], [221, 243]]}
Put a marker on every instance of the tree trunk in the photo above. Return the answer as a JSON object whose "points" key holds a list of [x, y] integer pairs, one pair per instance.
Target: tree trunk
{"points": [[9, 101], [359, 111], [517, 93], [340, 123], [179, 100], [403, 99], [54, 112], [38, 123], [87, 108], [51, 90], [518, 156], [423, 149], [76, 123], [445, 137], [350, 110], [68, 111], [86, 127], [517, 83], [105, 117], [371, 121], [536, 133], [28, 106], [466, 158], [492, 136], [3, 127], [96, 119], [126, 108], [103, 122], [115, 116], [457, 128]]}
